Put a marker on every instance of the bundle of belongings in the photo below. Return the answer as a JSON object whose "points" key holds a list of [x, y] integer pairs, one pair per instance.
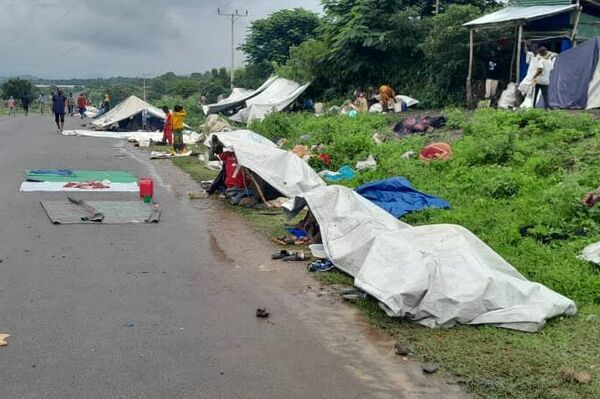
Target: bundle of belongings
{"points": [[418, 125]]}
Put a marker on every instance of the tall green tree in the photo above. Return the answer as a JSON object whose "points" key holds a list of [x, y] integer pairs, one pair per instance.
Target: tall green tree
{"points": [[270, 39], [17, 88]]}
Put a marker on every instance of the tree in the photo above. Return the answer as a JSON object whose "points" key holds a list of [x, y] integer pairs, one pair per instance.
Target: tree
{"points": [[305, 63], [270, 39], [17, 88], [252, 75]]}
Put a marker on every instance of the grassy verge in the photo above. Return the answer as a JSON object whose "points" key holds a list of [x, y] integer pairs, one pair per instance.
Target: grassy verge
{"points": [[509, 170]]}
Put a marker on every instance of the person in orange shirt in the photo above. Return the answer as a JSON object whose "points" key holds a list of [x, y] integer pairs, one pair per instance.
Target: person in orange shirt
{"points": [[178, 124], [168, 127]]}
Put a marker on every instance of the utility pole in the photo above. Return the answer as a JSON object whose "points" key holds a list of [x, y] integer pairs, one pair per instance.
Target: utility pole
{"points": [[232, 17], [144, 88]]}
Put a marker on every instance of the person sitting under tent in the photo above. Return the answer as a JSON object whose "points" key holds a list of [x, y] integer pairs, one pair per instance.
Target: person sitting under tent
{"points": [[237, 179]]}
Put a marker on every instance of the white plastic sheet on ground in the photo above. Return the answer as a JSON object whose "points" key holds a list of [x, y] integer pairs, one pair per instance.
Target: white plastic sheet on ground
{"points": [[189, 137], [128, 108], [29, 186], [282, 169], [237, 97], [279, 95], [437, 275]]}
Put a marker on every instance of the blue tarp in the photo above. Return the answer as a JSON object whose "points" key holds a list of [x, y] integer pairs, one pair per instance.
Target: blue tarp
{"points": [[397, 196], [573, 71]]}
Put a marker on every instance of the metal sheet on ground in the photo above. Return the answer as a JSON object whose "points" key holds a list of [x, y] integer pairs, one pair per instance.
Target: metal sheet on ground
{"points": [[115, 212]]}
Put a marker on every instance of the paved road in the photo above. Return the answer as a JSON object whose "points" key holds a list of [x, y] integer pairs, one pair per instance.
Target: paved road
{"points": [[160, 311]]}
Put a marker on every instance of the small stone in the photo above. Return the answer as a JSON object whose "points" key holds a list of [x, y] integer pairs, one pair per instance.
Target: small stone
{"points": [[402, 348], [430, 368], [262, 313]]}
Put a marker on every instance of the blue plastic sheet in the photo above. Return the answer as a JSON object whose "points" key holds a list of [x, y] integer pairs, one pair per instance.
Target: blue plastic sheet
{"points": [[345, 173], [397, 196]]}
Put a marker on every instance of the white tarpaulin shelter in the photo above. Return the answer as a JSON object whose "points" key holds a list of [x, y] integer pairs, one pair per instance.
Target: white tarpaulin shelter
{"points": [[283, 170], [515, 14], [279, 95], [237, 98], [437, 275], [131, 107]]}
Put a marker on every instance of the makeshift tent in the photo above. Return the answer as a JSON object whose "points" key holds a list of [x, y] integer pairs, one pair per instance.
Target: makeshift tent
{"points": [[437, 275], [575, 79], [128, 115], [279, 95], [236, 99], [281, 169]]}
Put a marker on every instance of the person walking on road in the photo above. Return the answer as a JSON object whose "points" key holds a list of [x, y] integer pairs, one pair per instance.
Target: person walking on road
{"points": [[59, 105], [25, 103], [42, 101], [71, 104], [81, 105], [12, 106]]}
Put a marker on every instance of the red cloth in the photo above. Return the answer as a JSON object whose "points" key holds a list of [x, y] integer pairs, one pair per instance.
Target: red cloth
{"points": [[231, 164], [81, 102], [325, 158], [441, 151], [168, 129]]}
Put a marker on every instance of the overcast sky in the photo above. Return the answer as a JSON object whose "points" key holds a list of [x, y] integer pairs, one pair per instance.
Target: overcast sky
{"points": [[93, 38]]}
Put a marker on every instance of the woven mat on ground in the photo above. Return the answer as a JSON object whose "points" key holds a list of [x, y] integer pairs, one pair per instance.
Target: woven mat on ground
{"points": [[74, 211]]}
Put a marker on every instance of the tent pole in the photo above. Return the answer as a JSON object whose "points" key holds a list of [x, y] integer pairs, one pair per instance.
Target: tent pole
{"points": [[518, 65], [512, 60], [575, 26], [470, 74]]}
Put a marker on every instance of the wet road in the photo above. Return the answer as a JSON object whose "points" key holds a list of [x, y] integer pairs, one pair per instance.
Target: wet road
{"points": [[167, 310]]}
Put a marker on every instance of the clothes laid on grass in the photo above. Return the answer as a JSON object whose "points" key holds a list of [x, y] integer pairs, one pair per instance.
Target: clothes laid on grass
{"points": [[397, 196], [440, 151], [345, 173], [418, 125]]}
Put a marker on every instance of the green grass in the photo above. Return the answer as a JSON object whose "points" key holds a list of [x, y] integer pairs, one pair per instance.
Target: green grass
{"points": [[509, 170]]}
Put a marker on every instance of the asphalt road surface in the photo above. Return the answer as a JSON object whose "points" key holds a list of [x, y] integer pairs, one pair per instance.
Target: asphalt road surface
{"points": [[166, 310]]}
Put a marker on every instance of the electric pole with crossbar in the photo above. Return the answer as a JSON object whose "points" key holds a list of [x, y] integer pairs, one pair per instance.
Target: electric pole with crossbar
{"points": [[232, 17]]}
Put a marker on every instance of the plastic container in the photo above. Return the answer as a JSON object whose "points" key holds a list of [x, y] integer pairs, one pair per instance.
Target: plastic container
{"points": [[318, 251], [147, 199], [146, 187]]}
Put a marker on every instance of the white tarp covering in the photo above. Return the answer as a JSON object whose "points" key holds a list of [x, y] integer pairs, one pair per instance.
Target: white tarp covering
{"points": [[282, 169], [437, 275], [128, 108], [237, 97], [509, 14], [277, 97], [189, 137]]}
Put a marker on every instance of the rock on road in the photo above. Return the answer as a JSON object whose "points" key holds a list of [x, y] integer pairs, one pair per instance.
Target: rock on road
{"points": [[167, 310]]}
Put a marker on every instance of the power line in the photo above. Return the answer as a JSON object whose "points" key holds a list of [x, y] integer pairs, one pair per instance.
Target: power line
{"points": [[232, 18]]}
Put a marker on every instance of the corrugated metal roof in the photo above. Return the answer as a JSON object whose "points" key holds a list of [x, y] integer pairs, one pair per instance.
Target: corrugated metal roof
{"points": [[529, 3], [510, 14]]}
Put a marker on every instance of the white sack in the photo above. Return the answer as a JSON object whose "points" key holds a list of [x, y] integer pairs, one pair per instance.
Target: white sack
{"points": [[437, 275], [508, 98]]}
